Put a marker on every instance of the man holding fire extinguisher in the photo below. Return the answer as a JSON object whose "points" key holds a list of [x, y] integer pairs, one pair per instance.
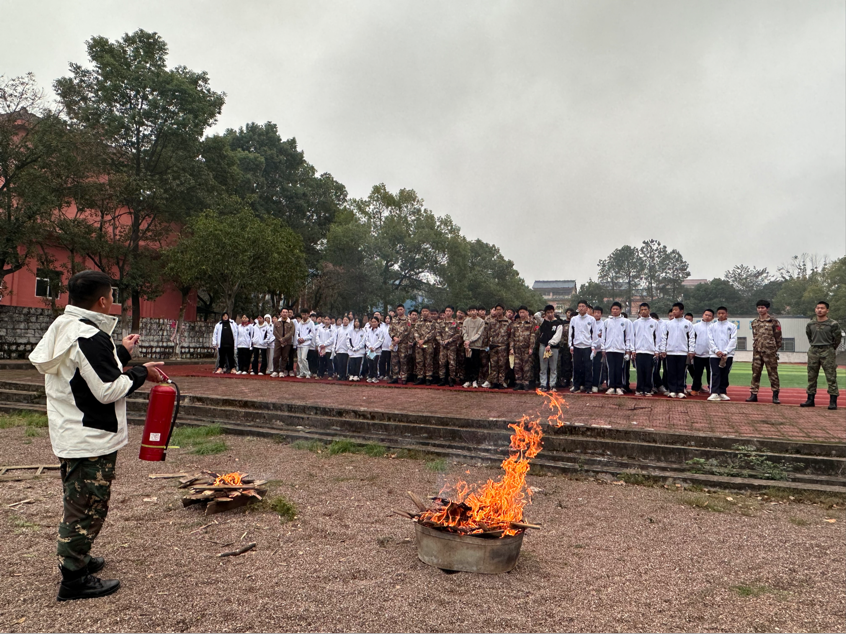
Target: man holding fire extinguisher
{"points": [[86, 408]]}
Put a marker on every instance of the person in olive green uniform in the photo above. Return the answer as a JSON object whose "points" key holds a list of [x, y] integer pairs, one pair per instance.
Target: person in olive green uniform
{"points": [[766, 342], [824, 336]]}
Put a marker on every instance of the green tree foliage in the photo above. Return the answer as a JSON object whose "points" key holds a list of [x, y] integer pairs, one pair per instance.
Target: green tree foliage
{"points": [[152, 120], [717, 292], [276, 180], [593, 293], [809, 281], [676, 271], [234, 251], [654, 256], [33, 143], [627, 267]]}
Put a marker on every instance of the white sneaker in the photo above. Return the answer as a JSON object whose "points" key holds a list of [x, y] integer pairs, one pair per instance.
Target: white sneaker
{"points": [[672, 395], [647, 393], [714, 397], [475, 384], [252, 373], [572, 389], [724, 397], [468, 384], [662, 390], [261, 373], [680, 395], [594, 390], [486, 384], [274, 374], [620, 392], [292, 374], [611, 390]]}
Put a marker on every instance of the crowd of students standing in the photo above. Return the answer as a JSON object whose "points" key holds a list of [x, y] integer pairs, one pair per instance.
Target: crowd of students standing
{"points": [[580, 349]]}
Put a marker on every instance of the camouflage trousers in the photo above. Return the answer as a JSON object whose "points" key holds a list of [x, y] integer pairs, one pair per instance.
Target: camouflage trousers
{"points": [[499, 364], [448, 356], [522, 365], [460, 360], [825, 357], [87, 486], [423, 360], [565, 361], [399, 363], [484, 366], [760, 358]]}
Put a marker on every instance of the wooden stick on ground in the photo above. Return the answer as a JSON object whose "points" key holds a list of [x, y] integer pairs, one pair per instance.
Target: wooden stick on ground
{"points": [[524, 525], [417, 502], [240, 551], [162, 476], [26, 501], [203, 527]]}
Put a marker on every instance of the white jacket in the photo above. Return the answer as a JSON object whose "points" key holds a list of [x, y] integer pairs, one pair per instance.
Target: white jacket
{"points": [[85, 384], [244, 336], [342, 343], [677, 337], [701, 345], [722, 337], [262, 334], [355, 342], [582, 331], [305, 330], [374, 339], [218, 329], [646, 335], [324, 336], [617, 335]]}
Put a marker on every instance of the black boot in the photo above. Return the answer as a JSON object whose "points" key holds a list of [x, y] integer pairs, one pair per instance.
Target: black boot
{"points": [[95, 565], [393, 381], [753, 398], [775, 398], [419, 381], [832, 402], [451, 383], [809, 402], [443, 382], [428, 381], [86, 587]]}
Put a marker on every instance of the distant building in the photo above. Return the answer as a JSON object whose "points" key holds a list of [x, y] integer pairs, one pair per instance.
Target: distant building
{"points": [[691, 282], [559, 293]]}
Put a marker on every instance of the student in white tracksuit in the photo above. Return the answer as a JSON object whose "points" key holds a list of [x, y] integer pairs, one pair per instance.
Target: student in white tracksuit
{"points": [[356, 344], [701, 351], [271, 343], [342, 349], [582, 345], [324, 337], [244, 344], [374, 338], [646, 349], [677, 348], [616, 345], [304, 337], [722, 336], [262, 335]]}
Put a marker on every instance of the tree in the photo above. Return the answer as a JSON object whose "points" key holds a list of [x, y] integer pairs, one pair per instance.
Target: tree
{"points": [[152, 120], [611, 278], [717, 292], [654, 256], [676, 271], [277, 180], [234, 251], [33, 141], [629, 267], [592, 292]]}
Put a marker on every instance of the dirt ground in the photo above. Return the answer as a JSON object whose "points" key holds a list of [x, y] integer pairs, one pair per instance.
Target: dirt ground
{"points": [[609, 557]]}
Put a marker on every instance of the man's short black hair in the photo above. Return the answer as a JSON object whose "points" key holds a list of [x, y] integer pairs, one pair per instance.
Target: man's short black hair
{"points": [[225, 314], [581, 301], [413, 310], [762, 302], [642, 304], [523, 308], [709, 310], [823, 302], [499, 306], [679, 305], [653, 315], [599, 308], [624, 314], [87, 287], [618, 305], [449, 306], [719, 308], [688, 314], [549, 307]]}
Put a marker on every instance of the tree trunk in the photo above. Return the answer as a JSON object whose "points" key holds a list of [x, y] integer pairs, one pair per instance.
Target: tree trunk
{"points": [[136, 311], [177, 341]]}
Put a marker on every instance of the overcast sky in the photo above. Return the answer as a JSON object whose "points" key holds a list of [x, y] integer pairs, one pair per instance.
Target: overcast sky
{"points": [[556, 130]]}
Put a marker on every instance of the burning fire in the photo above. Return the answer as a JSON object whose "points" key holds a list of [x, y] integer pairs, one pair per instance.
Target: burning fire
{"points": [[230, 479], [496, 505]]}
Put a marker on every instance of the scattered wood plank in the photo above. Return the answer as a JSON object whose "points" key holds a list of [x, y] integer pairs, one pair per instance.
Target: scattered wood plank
{"points": [[29, 466], [240, 551], [26, 501], [203, 527], [523, 525], [165, 476], [421, 506]]}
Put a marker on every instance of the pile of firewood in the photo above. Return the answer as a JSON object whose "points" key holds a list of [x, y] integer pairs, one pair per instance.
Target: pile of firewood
{"points": [[456, 518], [213, 490]]}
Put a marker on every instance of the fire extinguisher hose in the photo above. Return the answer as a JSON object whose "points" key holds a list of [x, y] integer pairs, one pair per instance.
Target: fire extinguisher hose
{"points": [[175, 411]]}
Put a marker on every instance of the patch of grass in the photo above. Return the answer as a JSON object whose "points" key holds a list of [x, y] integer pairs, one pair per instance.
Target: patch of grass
{"points": [[284, 508], [751, 590], [375, 450], [209, 448], [23, 419], [438, 466], [20, 523], [411, 454], [746, 462], [828, 500], [384, 541], [341, 446], [639, 479], [32, 432], [798, 521], [314, 446], [703, 502], [192, 435]]}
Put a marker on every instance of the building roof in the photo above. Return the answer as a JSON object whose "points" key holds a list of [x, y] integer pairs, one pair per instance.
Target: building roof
{"points": [[693, 281], [552, 285]]}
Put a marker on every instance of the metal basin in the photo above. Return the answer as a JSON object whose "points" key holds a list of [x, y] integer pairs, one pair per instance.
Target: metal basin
{"points": [[449, 551]]}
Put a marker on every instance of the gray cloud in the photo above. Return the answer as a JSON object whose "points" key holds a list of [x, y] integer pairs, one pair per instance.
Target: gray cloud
{"points": [[557, 130]]}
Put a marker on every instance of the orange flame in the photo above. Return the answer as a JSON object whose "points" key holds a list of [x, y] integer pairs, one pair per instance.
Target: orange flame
{"points": [[494, 505], [230, 479]]}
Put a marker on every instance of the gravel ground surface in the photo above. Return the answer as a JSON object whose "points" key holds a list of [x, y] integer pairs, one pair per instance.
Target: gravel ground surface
{"points": [[609, 558]]}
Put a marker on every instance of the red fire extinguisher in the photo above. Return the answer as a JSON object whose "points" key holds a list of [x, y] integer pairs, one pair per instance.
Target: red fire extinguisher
{"points": [[161, 419]]}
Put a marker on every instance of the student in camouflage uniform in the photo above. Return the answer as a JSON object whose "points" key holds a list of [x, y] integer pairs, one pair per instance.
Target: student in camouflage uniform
{"points": [[498, 341], [400, 333], [460, 354], [448, 335], [484, 353], [766, 342], [565, 359], [424, 347], [521, 342], [824, 336]]}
